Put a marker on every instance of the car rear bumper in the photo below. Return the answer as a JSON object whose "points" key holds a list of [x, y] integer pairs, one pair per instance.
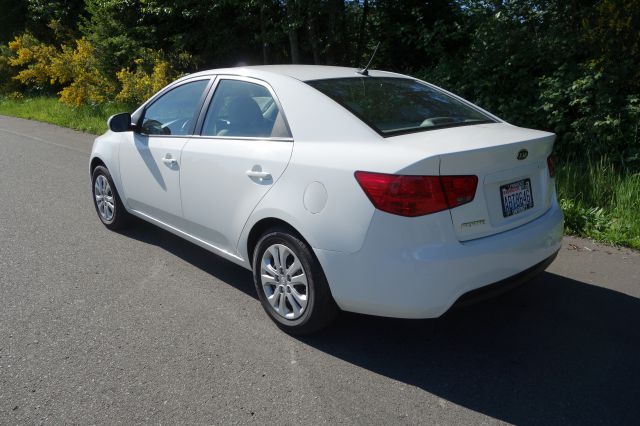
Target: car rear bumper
{"points": [[397, 274], [493, 290]]}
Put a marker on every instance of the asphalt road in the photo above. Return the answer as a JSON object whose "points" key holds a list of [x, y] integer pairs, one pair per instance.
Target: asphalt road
{"points": [[142, 327]]}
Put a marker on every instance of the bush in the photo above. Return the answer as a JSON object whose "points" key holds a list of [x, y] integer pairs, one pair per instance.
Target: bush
{"points": [[141, 84], [590, 117], [7, 72], [75, 73], [74, 70], [78, 68], [33, 59]]}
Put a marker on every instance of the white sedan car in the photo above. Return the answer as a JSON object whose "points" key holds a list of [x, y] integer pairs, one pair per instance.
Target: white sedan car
{"points": [[374, 193]]}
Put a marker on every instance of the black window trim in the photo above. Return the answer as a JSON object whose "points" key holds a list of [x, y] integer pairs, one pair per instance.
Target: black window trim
{"points": [[490, 118], [138, 115], [207, 104]]}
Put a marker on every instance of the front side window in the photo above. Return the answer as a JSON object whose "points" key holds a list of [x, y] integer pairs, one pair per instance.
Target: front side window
{"points": [[173, 113], [243, 109], [399, 105]]}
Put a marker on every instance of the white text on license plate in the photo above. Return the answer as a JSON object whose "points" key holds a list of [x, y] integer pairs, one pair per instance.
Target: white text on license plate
{"points": [[516, 197]]}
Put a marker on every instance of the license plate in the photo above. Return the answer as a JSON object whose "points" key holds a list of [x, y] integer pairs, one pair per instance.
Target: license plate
{"points": [[516, 197]]}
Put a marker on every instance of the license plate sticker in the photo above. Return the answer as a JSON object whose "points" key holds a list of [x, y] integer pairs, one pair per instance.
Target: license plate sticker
{"points": [[516, 197]]}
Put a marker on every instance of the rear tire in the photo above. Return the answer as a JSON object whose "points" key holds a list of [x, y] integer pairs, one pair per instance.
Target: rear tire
{"points": [[106, 200], [290, 283]]}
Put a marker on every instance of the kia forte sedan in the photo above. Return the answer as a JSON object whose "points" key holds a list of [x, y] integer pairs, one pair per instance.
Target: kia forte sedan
{"points": [[374, 193]]}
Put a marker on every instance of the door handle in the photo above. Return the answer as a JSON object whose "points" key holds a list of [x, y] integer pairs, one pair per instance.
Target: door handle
{"points": [[258, 174], [169, 161]]}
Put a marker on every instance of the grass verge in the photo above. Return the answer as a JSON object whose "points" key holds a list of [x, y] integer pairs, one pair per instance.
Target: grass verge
{"points": [[87, 118], [598, 201]]}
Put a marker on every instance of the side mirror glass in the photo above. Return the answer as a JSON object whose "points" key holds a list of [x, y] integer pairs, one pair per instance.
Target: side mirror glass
{"points": [[120, 122]]}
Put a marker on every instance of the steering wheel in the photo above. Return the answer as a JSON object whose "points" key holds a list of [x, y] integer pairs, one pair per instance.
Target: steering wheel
{"points": [[185, 126], [222, 124], [154, 127]]}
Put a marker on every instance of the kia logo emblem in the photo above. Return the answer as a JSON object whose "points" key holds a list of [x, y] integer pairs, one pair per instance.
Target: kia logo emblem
{"points": [[522, 154]]}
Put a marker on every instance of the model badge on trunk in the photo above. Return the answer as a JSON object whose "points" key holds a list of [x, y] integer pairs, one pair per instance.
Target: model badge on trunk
{"points": [[473, 223]]}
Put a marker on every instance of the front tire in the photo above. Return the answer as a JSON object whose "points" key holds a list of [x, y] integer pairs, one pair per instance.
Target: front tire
{"points": [[106, 200], [291, 284]]}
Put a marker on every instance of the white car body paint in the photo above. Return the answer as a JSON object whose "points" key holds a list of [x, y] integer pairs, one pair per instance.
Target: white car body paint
{"points": [[375, 262], [150, 175]]}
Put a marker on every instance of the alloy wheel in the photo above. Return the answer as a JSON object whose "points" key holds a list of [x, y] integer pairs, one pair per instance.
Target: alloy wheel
{"points": [[284, 281], [104, 198]]}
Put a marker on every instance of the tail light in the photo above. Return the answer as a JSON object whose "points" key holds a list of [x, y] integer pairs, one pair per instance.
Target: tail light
{"points": [[459, 190], [551, 165], [416, 195]]}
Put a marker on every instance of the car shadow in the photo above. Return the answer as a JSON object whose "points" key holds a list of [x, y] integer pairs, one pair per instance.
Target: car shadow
{"points": [[232, 274], [554, 351]]}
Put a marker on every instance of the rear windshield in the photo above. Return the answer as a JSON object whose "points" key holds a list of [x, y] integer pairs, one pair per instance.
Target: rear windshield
{"points": [[394, 106]]}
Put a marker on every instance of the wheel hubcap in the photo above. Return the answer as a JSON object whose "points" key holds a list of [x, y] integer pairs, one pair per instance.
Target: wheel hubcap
{"points": [[104, 198], [284, 281]]}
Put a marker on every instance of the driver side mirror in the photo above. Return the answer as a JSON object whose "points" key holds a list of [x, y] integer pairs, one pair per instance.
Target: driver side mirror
{"points": [[120, 122]]}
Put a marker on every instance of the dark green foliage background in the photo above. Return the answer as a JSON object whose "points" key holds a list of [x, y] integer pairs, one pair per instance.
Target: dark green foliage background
{"points": [[572, 67]]}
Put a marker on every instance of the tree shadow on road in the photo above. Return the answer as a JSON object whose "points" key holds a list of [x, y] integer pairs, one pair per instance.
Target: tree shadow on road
{"points": [[553, 351]]}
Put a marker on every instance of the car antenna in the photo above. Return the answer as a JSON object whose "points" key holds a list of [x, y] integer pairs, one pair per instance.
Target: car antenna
{"points": [[365, 70]]}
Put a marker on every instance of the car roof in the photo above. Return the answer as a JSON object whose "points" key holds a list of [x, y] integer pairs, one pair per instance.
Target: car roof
{"points": [[299, 72]]}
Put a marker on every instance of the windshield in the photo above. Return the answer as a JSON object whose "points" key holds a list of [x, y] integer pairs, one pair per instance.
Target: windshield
{"points": [[399, 105]]}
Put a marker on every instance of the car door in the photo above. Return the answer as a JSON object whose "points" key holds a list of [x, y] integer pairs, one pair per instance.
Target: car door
{"points": [[150, 157], [243, 148]]}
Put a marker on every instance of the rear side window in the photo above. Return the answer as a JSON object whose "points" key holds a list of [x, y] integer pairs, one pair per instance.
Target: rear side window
{"points": [[244, 109], [173, 113], [394, 106]]}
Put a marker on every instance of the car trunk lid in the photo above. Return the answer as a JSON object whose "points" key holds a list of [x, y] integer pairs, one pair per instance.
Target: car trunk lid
{"points": [[514, 186]]}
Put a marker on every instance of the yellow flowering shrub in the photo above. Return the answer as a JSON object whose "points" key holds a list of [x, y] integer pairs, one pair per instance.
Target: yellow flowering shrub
{"points": [[139, 85], [75, 69], [79, 69], [34, 58]]}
